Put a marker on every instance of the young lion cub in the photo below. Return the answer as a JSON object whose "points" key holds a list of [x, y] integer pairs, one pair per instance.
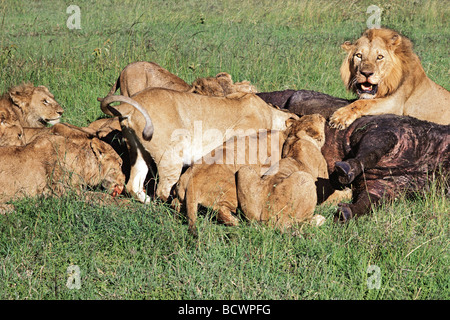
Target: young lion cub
{"points": [[51, 163], [288, 195], [211, 181]]}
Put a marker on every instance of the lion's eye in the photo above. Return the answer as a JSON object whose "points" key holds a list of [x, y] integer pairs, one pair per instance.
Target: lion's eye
{"points": [[45, 101], [380, 56], [358, 55]]}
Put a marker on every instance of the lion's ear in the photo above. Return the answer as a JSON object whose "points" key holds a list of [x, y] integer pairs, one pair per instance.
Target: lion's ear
{"points": [[19, 99], [347, 46], [289, 122], [97, 148], [45, 89], [396, 40], [3, 117]]}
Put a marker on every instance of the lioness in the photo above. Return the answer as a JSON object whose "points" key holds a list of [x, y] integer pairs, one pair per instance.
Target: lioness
{"points": [[33, 106], [286, 194], [110, 131], [178, 128], [141, 75], [52, 163], [382, 69], [220, 86], [62, 129]]}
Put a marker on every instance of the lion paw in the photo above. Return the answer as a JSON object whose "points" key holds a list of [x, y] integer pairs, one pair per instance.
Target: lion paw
{"points": [[342, 118]]}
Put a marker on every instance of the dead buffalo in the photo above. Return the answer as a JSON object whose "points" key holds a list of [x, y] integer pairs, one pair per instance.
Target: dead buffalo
{"points": [[304, 102], [384, 156]]}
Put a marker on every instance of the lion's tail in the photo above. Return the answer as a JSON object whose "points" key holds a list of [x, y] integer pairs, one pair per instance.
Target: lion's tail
{"points": [[147, 133], [115, 87]]}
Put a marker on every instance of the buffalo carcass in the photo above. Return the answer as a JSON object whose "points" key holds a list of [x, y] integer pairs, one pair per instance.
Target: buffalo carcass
{"points": [[384, 156]]}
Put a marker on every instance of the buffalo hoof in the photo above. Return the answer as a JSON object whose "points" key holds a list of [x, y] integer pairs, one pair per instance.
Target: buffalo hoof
{"points": [[344, 213], [345, 172]]}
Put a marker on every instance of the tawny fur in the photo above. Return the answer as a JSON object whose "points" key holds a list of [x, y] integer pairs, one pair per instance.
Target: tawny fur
{"points": [[51, 163], [11, 131], [141, 75], [286, 194], [66, 130], [33, 106], [210, 182], [170, 128], [221, 86]]}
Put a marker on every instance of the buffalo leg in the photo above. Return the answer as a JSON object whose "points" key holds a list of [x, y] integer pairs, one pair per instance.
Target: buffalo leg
{"points": [[366, 194], [371, 148]]}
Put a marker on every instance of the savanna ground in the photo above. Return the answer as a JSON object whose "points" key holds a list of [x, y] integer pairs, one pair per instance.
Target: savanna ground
{"points": [[145, 252]]}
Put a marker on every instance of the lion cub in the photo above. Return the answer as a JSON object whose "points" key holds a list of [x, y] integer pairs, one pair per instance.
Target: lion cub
{"points": [[11, 131], [286, 193], [221, 85], [211, 181], [51, 164]]}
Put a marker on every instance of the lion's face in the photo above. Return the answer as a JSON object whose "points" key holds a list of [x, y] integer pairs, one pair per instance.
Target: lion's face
{"points": [[372, 68], [44, 107], [311, 127], [110, 173], [37, 104], [11, 132], [220, 86]]}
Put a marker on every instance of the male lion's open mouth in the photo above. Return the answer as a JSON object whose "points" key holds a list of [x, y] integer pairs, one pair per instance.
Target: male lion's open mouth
{"points": [[366, 87]]}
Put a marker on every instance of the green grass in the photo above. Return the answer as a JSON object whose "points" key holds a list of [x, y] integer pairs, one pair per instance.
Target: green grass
{"points": [[146, 252]]}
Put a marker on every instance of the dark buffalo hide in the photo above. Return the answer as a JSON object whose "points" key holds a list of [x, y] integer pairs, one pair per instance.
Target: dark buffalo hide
{"points": [[304, 102], [384, 156]]}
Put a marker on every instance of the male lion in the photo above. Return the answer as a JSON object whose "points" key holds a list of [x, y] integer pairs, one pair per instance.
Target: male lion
{"points": [[33, 106], [382, 69]]}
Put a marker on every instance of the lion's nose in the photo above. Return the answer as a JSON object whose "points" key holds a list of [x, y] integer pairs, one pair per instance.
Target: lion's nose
{"points": [[367, 74]]}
